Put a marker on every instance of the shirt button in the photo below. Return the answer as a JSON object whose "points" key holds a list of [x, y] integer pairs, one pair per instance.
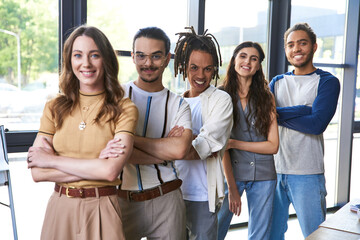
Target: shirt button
{"points": [[252, 164], [235, 161]]}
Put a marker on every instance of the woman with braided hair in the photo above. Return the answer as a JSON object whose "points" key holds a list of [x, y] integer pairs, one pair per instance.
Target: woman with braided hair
{"points": [[197, 58], [249, 162]]}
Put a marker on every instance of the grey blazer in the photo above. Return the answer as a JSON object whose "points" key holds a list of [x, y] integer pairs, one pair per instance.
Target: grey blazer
{"points": [[249, 166]]}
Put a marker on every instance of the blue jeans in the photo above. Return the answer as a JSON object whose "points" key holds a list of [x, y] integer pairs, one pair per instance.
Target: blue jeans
{"points": [[260, 196], [307, 194]]}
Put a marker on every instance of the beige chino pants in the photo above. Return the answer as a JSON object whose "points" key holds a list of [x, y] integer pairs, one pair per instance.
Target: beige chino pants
{"points": [[82, 218]]}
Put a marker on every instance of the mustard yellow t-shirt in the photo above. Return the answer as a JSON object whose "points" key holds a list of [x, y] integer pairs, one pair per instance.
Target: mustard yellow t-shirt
{"points": [[70, 141]]}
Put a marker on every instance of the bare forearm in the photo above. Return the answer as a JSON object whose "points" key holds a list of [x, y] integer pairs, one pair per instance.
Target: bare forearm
{"points": [[266, 147], [49, 174], [140, 157], [91, 169], [170, 148], [192, 154], [228, 171], [52, 175]]}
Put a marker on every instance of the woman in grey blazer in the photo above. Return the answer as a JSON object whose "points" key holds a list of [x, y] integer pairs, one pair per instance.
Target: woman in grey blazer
{"points": [[249, 162]]}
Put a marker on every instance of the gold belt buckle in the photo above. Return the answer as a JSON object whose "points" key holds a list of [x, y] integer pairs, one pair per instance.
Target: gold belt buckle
{"points": [[67, 192]]}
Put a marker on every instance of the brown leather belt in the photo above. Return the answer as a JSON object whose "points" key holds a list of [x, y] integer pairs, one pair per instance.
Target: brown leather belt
{"points": [[86, 192], [139, 196]]}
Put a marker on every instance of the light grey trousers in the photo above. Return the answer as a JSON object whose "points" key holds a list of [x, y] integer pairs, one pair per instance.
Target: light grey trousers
{"points": [[201, 224]]}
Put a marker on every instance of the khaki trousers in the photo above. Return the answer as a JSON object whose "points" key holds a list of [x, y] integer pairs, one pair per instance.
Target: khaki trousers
{"points": [[82, 218], [162, 218]]}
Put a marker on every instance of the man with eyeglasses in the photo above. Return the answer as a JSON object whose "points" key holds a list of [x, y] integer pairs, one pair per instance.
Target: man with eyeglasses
{"points": [[150, 197]]}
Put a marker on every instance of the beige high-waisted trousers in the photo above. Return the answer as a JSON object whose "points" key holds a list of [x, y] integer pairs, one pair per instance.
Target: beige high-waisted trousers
{"points": [[82, 218]]}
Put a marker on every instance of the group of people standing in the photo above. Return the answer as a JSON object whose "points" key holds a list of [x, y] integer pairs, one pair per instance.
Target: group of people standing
{"points": [[138, 160]]}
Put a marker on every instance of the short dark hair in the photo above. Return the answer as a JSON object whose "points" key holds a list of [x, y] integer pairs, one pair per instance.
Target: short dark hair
{"points": [[154, 33], [304, 27]]}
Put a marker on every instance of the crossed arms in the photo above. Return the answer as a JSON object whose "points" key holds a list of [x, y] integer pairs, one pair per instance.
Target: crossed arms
{"points": [[46, 165], [314, 119]]}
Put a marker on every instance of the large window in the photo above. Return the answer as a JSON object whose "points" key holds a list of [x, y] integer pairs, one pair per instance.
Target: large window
{"points": [[327, 19], [28, 77], [35, 23], [233, 22], [121, 21], [355, 166], [357, 95], [28, 60]]}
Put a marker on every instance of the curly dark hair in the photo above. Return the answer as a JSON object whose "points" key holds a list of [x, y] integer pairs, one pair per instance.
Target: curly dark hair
{"points": [[190, 41], [260, 99]]}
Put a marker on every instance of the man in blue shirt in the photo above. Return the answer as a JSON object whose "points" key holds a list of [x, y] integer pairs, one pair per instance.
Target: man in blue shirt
{"points": [[306, 100]]}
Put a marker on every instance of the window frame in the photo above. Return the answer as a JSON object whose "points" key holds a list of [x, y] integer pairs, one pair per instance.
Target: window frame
{"points": [[74, 13]]}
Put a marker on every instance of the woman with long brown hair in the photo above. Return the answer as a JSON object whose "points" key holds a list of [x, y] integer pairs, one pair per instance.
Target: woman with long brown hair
{"points": [[76, 125], [249, 163]]}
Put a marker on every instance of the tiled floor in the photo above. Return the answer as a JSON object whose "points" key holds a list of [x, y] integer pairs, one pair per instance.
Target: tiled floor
{"points": [[293, 233]]}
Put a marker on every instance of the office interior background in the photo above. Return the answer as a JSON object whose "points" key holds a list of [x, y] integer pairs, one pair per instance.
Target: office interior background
{"points": [[32, 33]]}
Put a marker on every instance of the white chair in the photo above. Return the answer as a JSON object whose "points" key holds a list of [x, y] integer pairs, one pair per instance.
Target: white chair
{"points": [[5, 177]]}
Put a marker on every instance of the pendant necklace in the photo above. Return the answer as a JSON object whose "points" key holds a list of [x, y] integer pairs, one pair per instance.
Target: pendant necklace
{"points": [[82, 124]]}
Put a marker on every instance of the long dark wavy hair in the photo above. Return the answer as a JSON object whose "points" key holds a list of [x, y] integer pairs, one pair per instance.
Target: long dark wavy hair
{"points": [[69, 85], [260, 99]]}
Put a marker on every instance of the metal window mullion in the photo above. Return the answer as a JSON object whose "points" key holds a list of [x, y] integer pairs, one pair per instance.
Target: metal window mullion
{"points": [[331, 65], [343, 173], [279, 22], [71, 14], [196, 15]]}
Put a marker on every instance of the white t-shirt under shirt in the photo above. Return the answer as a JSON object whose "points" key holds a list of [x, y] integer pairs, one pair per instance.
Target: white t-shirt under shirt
{"points": [[152, 123], [193, 172]]}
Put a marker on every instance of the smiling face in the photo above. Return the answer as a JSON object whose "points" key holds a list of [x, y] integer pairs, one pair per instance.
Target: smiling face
{"points": [[87, 64], [200, 72], [247, 62], [150, 59], [299, 50]]}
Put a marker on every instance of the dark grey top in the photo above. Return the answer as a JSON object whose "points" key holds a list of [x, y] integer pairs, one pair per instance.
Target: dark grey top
{"points": [[249, 166]]}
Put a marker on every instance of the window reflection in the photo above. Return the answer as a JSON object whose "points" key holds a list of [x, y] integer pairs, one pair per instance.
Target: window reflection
{"points": [[243, 21], [327, 19], [121, 21], [328, 22], [355, 164], [28, 67], [357, 96]]}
